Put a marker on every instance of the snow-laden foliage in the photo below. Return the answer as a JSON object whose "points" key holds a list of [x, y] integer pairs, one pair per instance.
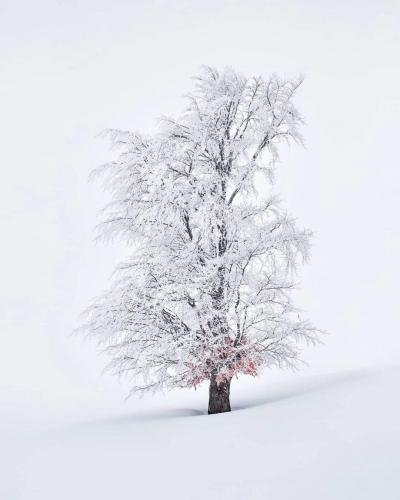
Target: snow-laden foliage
{"points": [[206, 289]]}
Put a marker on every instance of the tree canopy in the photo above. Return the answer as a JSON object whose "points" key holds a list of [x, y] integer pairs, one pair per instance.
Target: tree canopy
{"points": [[206, 289]]}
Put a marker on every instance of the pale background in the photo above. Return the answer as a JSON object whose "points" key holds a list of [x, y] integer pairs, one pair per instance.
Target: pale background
{"points": [[72, 68]]}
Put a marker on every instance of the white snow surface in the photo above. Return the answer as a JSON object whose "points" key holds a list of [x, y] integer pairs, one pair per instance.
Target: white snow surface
{"points": [[329, 436]]}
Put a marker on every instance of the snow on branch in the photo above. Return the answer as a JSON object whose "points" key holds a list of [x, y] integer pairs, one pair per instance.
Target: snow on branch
{"points": [[206, 289]]}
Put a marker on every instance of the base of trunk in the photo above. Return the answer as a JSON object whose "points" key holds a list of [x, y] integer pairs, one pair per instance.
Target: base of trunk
{"points": [[219, 396]]}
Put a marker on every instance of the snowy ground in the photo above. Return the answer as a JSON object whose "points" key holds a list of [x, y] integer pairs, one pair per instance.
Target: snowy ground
{"points": [[335, 436]]}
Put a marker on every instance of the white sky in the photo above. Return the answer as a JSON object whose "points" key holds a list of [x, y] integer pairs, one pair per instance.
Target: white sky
{"points": [[72, 68]]}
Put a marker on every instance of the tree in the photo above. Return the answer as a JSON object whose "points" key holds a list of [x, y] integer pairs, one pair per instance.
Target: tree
{"points": [[205, 293]]}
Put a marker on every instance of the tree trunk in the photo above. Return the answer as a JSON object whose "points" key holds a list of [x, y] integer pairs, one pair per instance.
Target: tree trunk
{"points": [[219, 396]]}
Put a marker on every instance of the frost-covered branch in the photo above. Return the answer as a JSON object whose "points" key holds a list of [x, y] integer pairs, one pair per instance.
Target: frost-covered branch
{"points": [[206, 290]]}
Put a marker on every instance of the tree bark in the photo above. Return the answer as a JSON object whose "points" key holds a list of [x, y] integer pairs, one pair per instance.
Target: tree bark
{"points": [[219, 396]]}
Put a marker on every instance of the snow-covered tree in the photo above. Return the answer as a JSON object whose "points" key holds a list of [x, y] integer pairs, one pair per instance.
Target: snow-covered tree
{"points": [[205, 293]]}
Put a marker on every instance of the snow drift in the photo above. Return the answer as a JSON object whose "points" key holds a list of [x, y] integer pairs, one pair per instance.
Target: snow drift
{"points": [[335, 436]]}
